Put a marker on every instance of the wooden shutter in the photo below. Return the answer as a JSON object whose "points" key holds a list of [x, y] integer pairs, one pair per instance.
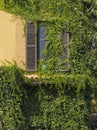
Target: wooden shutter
{"points": [[31, 47], [64, 63]]}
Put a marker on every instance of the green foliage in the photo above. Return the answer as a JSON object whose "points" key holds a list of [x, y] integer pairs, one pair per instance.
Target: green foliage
{"points": [[78, 18], [11, 93], [58, 106], [58, 102], [61, 101]]}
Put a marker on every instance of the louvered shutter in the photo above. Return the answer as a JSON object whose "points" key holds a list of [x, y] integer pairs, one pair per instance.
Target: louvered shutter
{"points": [[64, 57], [31, 47]]}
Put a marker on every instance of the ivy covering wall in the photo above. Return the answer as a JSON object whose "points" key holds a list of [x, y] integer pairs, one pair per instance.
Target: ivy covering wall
{"points": [[11, 93], [78, 18], [54, 101]]}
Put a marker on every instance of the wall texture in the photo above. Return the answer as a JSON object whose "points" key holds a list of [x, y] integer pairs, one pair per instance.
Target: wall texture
{"points": [[12, 39]]}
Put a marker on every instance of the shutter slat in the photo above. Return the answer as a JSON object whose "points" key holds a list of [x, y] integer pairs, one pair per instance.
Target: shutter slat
{"points": [[30, 33], [31, 47]]}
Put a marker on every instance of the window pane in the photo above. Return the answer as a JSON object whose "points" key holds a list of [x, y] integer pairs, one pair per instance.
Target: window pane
{"points": [[42, 32], [41, 48]]}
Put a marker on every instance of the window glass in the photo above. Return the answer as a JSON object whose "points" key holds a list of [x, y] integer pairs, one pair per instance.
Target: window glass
{"points": [[42, 39], [42, 32], [42, 46]]}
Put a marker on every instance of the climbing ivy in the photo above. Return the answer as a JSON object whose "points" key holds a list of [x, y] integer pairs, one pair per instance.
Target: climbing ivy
{"points": [[60, 100], [11, 93], [56, 102], [78, 18]]}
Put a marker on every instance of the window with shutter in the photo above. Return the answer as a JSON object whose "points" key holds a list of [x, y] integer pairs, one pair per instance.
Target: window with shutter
{"points": [[35, 45]]}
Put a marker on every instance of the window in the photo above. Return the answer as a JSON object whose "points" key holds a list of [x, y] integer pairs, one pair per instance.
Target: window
{"points": [[42, 39], [36, 39]]}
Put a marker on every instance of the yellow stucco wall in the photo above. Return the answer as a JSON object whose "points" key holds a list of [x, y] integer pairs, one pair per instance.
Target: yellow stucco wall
{"points": [[12, 39]]}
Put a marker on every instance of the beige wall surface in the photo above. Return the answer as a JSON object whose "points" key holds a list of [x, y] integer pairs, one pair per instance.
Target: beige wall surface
{"points": [[12, 39]]}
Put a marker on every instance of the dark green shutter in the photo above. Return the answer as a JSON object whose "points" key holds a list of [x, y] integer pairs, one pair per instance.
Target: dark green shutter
{"points": [[31, 47], [64, 57]]}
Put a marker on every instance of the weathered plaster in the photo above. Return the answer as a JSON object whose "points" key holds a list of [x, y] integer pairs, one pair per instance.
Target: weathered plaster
{"points": [[12, 39]]}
